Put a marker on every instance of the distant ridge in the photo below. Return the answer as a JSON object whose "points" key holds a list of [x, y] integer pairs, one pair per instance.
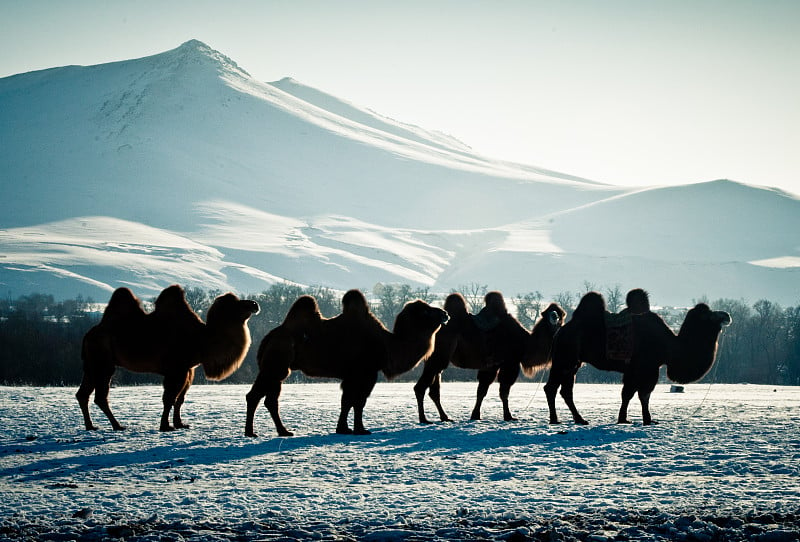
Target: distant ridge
{"points": [[368, 118]]}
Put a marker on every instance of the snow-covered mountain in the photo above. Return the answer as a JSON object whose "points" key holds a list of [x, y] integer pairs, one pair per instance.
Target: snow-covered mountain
{"points": [[180, 167]]}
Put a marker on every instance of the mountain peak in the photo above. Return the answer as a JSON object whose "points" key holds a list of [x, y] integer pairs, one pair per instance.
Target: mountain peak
{"points": [[196, 52], [194, 44]]}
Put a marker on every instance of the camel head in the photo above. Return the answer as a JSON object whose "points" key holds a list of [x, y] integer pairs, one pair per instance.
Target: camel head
{"points": [[228, 308], [554, 315], [227, 336], [697, 344], [538, 349], [413, 336]]}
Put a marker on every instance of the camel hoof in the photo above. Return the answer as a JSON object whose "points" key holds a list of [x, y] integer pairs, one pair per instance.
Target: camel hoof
{"points": [[166, 428], [250, 434], [651, 422], [362, 431], [344, 431], [581, 421], [285, 433], [510, 419], [119, 428], [426, 421], [92, 428], [624, 422]]}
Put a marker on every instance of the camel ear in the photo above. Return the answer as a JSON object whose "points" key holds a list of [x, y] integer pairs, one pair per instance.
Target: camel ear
{"points": [[552, 317]]}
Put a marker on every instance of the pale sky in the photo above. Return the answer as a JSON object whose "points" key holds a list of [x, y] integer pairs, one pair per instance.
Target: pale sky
{"points": [[621, 92]]}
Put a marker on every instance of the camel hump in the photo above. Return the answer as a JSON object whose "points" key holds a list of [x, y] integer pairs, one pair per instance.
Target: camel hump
{"points": [[591, 308], [494, 302], [355, 303], [493, 313], [638, 301], [123, 305], [171, 305], [172, 300], [355, 308], [303, 313], [456, 306]]}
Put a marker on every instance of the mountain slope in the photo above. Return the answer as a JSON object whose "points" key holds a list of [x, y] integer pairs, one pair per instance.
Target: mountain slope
{"points": [[180, 167]]}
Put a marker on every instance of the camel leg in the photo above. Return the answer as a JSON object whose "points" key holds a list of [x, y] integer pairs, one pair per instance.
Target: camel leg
{"points": [[550, 391], [83, 394], [173, 384], [176, 412], [628, 391], [354, 396], [270, 389], [425, 382], [566, 394], [428, 380], [253, 397], [98, 369], [101, 400], [563, 381], [360, 401], [562, 372], [644, 398], [507, 377], [273, 393], [485, 379], [436, 396], [342, 425], [648, 383]]}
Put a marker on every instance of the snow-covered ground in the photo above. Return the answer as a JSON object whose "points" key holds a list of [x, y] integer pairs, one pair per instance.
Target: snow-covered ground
{"points": [[723, 464]]}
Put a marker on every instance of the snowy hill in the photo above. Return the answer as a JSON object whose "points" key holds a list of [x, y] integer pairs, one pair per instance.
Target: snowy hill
{"points": [[180, 167]]}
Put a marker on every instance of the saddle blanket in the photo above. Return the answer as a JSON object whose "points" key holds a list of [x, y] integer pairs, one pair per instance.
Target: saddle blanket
{"points": [[619, 337]]}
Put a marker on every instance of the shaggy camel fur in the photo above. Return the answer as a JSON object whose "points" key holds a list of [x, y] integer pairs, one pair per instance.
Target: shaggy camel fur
{"points": [[352, 347], [170, 341], [496, 353], [688, 355]]}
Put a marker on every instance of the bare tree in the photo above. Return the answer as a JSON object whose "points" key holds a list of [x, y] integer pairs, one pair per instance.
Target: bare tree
{"points": [[474, 294], [614, 298], [393, 297], [529, 307]]}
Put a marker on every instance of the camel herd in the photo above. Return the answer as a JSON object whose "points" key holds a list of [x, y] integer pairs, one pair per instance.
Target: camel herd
{"points": [[355, 347]]}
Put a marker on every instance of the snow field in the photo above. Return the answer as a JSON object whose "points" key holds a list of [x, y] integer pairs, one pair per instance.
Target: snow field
{"points": [[722, 452]]}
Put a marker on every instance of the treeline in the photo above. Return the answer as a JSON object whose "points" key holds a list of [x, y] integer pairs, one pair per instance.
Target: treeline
{"points": [[40, 338]]}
